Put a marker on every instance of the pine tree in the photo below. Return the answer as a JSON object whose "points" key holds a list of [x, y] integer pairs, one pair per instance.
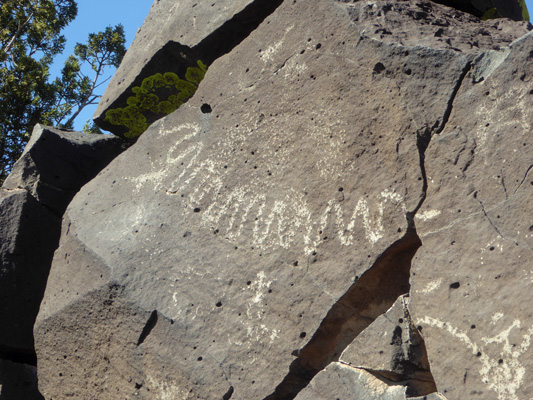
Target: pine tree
{"points": [[30, 37]]}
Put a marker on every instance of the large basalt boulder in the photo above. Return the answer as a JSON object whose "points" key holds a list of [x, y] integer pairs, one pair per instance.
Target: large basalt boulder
{"points": [[175, 36], [56, 163], [29, 235], [240, 246], [53, 167]]}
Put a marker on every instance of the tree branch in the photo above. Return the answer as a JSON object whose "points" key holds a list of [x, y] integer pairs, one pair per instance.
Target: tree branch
{"points": [[8, 47]]}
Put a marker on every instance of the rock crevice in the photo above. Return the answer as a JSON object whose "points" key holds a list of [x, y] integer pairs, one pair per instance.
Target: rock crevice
{"points": [[369, 297]]}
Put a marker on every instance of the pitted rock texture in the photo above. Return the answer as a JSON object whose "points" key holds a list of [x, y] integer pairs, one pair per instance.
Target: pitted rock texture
{"points": [[471, 287], [235, 232]]}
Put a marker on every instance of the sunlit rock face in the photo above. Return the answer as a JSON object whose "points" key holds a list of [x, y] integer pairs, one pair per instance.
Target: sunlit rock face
{"points": [[342, 166]]}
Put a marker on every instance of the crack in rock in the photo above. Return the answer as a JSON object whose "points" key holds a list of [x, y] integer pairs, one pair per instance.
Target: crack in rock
{"points": [[424, 138], [453, 95], [368, 298], [523, 179], [402, 359]]}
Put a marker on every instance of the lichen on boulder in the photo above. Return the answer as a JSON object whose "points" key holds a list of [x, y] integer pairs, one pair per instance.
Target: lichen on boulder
{"points": [[160, 95]]}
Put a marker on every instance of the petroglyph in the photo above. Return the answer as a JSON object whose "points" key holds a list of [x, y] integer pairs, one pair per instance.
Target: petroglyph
{"points": [[249, 212], [494, 113], [501, 369], [427, 215], [258, 331], [166, 391]]}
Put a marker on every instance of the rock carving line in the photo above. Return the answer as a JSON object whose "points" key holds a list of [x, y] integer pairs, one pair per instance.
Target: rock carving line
{"points": [[503, 376]]}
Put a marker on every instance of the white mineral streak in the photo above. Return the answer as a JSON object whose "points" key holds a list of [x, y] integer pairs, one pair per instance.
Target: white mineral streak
{"points": [[166, 391], [429, 214], [431, 286]]}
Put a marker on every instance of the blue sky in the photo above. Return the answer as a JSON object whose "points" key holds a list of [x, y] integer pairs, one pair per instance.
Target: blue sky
{"points": [[96, 15]]}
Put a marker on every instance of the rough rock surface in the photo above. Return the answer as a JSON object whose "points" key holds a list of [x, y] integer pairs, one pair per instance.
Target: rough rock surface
{"points": [[53, 167], [471, 290], [56, 163], [175, 35], [240, 246], [26, 250]]}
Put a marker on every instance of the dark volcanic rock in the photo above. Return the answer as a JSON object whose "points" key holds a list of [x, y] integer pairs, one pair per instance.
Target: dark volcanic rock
{"points": [[56, 163], [29, 234], [471, 290], [248, 238], [53, 167]]}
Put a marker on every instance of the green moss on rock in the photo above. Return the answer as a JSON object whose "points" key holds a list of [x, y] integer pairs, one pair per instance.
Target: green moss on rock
{"points": [[159, 94]]}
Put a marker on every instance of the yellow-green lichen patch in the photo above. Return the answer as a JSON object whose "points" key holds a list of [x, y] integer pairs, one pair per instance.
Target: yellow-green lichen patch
{"points": [[159, 95]]}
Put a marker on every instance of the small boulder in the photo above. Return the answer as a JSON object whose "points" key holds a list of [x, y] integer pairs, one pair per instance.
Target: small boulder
{"points": [[56, 163]]}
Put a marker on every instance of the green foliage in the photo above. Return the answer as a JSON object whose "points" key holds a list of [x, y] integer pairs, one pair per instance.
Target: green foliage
{"points": [[91, 128], [493, 13], [525, 13], [148, 98], [30, 37]]}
